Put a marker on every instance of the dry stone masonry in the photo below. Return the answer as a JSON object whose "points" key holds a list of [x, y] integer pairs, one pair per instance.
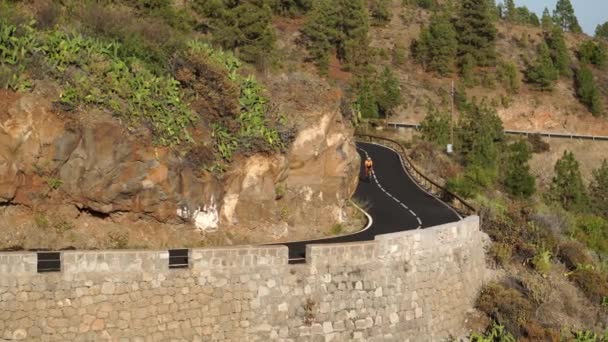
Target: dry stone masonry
{"points": [[409, 286]]}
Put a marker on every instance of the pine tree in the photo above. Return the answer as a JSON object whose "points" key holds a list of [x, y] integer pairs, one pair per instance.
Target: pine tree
{"points": [[559, 51], [533, 19], [547, 20], [567, 186], [601, 31], [509, 74], [476, 32], [591, 53], [479, 141], [543, 73], [564, 17], [518, 180], [380, 12], [353, 27], [244, 27], [598, 190], [587, 90], [321, 33], [510, 9], [291, 7], [436, 127], [341, 24], [366, 98], [437, 46], [479, 133], [388, 95]]}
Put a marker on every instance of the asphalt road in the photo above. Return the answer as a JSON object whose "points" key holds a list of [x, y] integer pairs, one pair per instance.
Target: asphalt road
{"points": [[395, 202]]}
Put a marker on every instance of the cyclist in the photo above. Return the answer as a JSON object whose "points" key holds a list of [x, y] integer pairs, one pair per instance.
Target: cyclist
{"points": [[369, 167]]}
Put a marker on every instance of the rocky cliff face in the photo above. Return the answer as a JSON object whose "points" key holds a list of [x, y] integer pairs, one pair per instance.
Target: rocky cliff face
{"points": [[100, 166]]}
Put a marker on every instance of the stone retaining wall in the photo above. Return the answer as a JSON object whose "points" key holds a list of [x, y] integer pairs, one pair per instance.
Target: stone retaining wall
{"points": [[410, 286]]}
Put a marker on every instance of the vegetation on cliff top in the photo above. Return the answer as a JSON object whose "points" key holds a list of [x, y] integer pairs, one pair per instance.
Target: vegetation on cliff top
{"points": [[99, 61]]}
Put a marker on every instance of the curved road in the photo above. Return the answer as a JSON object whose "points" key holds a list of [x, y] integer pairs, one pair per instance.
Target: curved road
{"points": [[396, 202]]}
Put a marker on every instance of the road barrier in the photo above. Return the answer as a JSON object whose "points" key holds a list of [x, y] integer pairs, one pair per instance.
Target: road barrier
{"points": [[517, 132], [453, 200]]}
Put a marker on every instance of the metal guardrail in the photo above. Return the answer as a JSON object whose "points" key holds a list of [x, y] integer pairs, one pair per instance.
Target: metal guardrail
{"points": [[524, 133], [453, 200]]}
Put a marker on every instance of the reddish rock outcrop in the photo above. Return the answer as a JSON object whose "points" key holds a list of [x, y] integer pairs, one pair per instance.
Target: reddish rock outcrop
{"points": [[101, 166]]}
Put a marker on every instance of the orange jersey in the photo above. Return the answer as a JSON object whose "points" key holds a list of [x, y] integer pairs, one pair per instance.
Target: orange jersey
{"points": [[369, 164]]}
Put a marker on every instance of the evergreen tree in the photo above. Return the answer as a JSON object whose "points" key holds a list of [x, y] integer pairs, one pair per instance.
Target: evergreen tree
{"points": [[291, 7], [559, 51], [598, 190], [547, 20], [509, 74], [377, 95], [437, 46], [380, 12], [592, 53], [436, 127], [479, 141], [543, 73], [587, 91], [533, 19], [564, 17], [601, 31], [510, 10], [518, 180], [388, 95], [476, 32], [480, 132], [353, 27], [341, 24], [244, 27], [321, 32], [567, 186], [366, 98]]}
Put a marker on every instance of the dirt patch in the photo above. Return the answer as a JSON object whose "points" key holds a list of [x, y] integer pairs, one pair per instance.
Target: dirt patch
{"points": [[65, 226], [7, 98]]}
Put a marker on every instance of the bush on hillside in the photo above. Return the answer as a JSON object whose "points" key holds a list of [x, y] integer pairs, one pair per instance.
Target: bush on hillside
{"points": [[594, 53], [543, 73], [587, 91], [598, 190], [567, 186], [506, 305]]}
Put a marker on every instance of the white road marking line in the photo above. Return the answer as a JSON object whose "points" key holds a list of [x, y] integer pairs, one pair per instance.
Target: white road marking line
{"points": [[390, 195], [413, 180]]}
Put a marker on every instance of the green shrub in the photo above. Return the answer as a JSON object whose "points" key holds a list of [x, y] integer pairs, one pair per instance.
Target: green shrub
{"points": [[567, 186], [573, 253], [593, 53], [496, 333], [54, 183], [587, 91], [542, 262], [593, 231], [436, 127], [506, 305], [337, 229], [502, 253], [593, 282], [517, 178], [255, 129]]}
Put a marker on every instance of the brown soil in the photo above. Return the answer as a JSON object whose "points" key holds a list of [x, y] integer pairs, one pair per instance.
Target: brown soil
{"points": [[64, 226]]}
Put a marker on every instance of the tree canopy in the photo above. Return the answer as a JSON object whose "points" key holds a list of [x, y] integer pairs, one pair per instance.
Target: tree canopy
{"points": [[543, 72], [564, 17], [437, 46], [567, 186], [476, 32]]}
